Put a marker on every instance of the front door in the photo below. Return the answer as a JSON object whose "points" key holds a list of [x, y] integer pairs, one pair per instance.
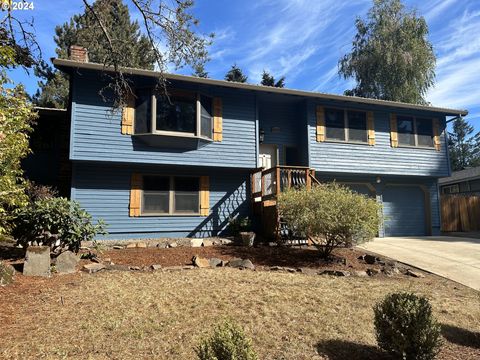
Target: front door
{"points": [[268, 156]]}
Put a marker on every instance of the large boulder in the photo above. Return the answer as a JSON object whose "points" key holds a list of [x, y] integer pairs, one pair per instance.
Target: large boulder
{"points": [[37, 261], [200, 262], [66, 262], [7, 273]]}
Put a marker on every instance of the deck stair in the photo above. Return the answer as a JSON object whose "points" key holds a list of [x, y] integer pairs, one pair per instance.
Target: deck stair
{"points": [[266, 185]]}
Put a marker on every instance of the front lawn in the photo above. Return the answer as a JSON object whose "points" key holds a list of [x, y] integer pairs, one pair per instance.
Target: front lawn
{"points": [[162, 315]]}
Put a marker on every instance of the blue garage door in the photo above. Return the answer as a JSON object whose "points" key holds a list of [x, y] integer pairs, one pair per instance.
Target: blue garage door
{"points": [[404, 211]]}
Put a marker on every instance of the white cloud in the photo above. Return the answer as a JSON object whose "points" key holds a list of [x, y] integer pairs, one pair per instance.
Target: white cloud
{"points": [[458, 64]]}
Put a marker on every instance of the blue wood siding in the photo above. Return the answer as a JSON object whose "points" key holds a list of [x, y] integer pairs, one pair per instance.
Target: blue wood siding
{"points": [[96, 132], [288, 118], [104, 191], [379, 159]]}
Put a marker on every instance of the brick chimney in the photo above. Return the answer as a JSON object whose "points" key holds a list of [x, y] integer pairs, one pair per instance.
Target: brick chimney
{"points": [[78, 53]]}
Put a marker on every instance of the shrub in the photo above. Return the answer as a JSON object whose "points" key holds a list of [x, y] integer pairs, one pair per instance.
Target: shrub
{"points": [[406, 328], [228, 342], [332, 214], [55, 222], [238, 224], [37, 192]]}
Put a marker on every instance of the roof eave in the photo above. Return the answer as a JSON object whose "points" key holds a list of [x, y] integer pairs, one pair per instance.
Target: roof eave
{"points": [[70, 64]]}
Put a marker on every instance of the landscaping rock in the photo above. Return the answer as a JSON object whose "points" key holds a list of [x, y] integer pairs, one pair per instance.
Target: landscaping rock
{"points": [[118, 247], [117, 267], [141, 245], [93, 268], [247, 264], [173, 244], [37, 261], [415, 274], [215, 262], [156, 267], [226, 242], [196, 242], [276, 268], [370, 259], [207, 242], [131, 246], [162, 245], [66, 263], [248, 237], [200, 262], [175, 268], [373, 272], [391, 269], [135, 268], [7, 274], [235, 263], [360, 273], [335, 273]]}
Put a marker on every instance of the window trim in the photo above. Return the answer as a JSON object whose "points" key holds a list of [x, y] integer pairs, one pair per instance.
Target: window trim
{"points": [[415, 133], [346, 129], [198, 117], [171, 198]]}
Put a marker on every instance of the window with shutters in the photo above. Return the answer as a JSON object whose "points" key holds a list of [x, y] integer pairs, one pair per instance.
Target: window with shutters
{"points": [[181, 113], [170, 195], [415, 131], [346, 125]]}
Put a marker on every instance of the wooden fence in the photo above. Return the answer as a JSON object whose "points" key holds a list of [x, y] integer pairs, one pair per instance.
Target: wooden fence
{"points": [[460, 213]]}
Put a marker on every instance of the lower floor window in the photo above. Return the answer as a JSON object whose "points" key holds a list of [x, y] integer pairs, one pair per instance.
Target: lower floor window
{"points": [[169, 195]]}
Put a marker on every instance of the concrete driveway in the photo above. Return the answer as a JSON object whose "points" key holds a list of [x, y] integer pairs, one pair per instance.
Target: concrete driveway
{"points": [[456, 258]]}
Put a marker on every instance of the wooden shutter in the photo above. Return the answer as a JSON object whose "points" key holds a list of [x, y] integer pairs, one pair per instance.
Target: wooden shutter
{"points": [[320, 113], [135, 194], [371, 128], [204, 195], [436, 134], [128, 115], [393, 131], [217, 119]]}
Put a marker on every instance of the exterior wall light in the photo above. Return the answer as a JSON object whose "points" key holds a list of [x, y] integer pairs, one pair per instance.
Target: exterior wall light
{"points": [[261, 137], [378, 179]]}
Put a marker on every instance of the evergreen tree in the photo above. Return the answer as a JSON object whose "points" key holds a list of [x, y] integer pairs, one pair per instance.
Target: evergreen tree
{"points": [[269, 80], [391, 57], [463, 146], [236, 74], [131, 48], [199, 71]]}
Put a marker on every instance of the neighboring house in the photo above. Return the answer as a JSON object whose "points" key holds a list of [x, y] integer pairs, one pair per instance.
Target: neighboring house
{"points": [[182, 167], [48, 163], [461, 182]]}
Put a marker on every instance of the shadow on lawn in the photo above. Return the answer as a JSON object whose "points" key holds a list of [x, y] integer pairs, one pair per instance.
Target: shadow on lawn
{"points": [[347, 350], [461, 336]]}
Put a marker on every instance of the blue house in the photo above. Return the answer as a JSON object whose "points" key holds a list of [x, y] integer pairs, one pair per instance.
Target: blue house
{"points": [[181, 166]]}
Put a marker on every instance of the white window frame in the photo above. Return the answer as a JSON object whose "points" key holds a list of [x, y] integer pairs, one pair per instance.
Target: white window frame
{"points": [[198, 118], [346, 128], [415, 132], [171, 197]]}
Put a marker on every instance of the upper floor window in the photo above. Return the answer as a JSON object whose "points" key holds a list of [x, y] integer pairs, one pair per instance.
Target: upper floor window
{"points": [[181, 113], [414, 131], [346, 125]]}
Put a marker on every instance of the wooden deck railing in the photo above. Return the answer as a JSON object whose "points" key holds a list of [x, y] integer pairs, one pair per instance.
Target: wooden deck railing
{"points": [[267, 184]]}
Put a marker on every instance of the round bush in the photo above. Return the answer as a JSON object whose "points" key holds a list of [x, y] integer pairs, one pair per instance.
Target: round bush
{"points": [[406, 328], [228, 342], [55, 222]]}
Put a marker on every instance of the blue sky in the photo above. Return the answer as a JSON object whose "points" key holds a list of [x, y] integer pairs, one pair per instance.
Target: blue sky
{"points": [[303, 40]]}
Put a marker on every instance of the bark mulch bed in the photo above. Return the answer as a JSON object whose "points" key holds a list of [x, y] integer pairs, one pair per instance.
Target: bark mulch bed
{"points": [[263, 256]]}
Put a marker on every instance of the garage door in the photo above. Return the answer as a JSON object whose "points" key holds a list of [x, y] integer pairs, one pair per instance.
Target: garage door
{"points": [[404, 211]]}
